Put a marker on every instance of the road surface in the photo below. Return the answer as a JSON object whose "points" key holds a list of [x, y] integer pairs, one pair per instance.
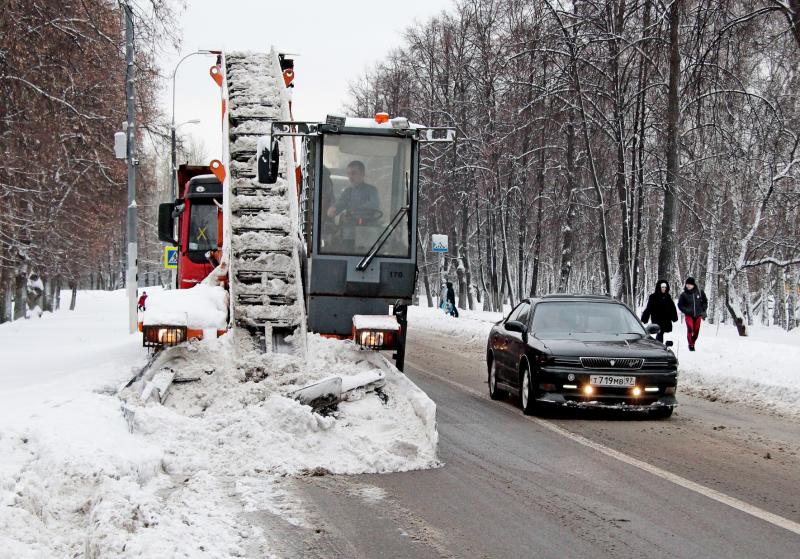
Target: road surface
{"points": [[712, 481]]}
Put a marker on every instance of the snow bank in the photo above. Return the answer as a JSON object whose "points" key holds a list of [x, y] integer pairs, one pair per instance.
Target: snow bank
{"points": [[469, 327], [202, 306], [760, 370], [86, 473]]}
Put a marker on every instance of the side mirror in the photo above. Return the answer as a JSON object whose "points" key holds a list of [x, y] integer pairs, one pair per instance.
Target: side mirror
{"points": [[669, 343], [268, 152], [166, 223], [515, 326], [652, 329]]}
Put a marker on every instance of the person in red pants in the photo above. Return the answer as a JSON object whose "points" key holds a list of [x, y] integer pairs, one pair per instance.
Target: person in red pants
{"points": [[142, 302], [693, 304]]}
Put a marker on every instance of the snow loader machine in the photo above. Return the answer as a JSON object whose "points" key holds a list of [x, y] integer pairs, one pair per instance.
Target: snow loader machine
{"points": [[318, 219]]}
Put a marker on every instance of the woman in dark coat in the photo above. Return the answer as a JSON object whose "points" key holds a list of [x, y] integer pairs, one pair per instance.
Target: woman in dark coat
{"points": [[451, 300], [661, 309]]}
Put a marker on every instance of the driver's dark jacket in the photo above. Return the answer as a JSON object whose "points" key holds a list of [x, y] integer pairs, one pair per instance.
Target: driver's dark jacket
{"points": [[361, 196]]}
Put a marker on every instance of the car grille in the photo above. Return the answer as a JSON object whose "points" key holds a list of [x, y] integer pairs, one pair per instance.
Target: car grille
{"points": [[621, 363]]}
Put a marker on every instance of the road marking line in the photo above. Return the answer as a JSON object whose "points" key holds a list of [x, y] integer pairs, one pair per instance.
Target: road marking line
{"points": [[713, 494]]}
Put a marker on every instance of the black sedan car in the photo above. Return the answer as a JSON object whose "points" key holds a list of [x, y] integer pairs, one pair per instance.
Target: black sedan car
{"points": [[580, 351]]}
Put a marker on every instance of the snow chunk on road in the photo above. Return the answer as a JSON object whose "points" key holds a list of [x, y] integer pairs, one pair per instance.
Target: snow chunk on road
{"points": [[200, 307]]}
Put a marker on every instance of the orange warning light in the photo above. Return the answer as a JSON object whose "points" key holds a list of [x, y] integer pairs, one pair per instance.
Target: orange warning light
{"points": [[218, 169], [288, 76], [216, 74], [380, 118]]}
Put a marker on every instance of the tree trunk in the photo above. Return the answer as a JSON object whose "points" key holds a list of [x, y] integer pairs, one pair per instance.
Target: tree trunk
{"points": [[791, 311], [57, 299], [73, 285], [21, 293], [732, 304], [537, 244], [6, 291], [666, 258], [567, 230], [711, 275], [781, 299], [465, 251]]}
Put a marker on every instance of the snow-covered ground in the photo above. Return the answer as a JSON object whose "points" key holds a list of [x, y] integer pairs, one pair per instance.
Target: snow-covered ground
{"points": [[761, 370], [90, 471]]}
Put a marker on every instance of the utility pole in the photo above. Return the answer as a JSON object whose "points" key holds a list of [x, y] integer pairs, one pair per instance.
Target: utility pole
{"points": [[131, 276]]}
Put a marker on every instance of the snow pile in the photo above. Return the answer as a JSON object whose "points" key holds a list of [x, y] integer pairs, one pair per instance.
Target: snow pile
{"points": [[85, 472], [469, 327], [202, 306], [759, 370]]}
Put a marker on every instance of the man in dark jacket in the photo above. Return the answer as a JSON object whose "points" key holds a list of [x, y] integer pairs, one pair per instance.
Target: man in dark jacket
{"points": [[660, 309], [693, 304]]}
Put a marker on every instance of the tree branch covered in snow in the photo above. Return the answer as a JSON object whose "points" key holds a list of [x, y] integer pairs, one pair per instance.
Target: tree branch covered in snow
{"points": [[557, 181]]}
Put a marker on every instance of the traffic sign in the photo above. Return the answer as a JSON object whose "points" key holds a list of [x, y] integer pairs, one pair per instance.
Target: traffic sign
{"points": [[170, 257], [439, 243]]}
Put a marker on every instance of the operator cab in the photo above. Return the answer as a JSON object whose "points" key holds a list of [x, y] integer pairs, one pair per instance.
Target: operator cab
{"points": [[358, 213], [361, 212]]}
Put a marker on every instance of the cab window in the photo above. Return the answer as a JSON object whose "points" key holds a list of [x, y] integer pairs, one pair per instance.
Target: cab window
{"points": [[365, 182], [203, 228]]}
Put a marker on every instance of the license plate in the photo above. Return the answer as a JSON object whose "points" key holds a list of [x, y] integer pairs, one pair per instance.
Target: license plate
{"points": [[611, 380]]}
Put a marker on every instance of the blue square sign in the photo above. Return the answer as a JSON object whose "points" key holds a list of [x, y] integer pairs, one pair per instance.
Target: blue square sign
{"points": [[170, 257]]}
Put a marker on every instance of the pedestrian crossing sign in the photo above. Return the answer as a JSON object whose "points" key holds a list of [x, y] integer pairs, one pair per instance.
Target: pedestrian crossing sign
{"points": [[170, 257]]}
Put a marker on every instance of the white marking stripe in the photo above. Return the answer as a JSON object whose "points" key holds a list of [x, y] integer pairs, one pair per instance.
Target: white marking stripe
{"points": [[737, 504]]}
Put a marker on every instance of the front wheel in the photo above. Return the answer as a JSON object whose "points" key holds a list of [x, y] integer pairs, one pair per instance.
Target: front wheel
{"points": [[527, 395], [663, 413], [494, 392]]}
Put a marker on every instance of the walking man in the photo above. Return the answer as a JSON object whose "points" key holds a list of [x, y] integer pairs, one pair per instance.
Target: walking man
{"points": [[693, 304], [660, 309]]}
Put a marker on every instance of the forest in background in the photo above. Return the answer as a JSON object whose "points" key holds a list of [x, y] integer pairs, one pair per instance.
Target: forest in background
{"points": [[604, 145], [62, 193]]}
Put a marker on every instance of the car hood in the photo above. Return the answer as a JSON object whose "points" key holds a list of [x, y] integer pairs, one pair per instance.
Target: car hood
{"points": [[625, 346]]}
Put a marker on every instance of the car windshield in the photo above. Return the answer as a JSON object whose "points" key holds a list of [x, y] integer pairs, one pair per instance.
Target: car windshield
{"points": [[559, 319], [365, 183]]}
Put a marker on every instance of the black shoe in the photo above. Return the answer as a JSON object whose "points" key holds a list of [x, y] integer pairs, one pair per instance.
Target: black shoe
{"points": [[691, 348]]}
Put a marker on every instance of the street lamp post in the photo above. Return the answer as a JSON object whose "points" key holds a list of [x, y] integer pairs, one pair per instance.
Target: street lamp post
{"points": [[173, 127], [175, 152]]}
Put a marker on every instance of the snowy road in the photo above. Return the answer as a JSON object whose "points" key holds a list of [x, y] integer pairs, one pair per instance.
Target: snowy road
{"points": [[714, 481]]}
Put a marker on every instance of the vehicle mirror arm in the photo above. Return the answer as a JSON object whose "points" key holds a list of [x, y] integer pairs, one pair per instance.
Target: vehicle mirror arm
{"points": [[379, 242]]}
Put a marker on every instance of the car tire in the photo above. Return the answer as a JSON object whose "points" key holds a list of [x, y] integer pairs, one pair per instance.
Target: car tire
{"points": [[527, 394], [663, 413], [494, 392]]}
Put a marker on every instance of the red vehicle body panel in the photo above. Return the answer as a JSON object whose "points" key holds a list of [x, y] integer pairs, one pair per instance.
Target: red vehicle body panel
{"points": [[193, 268]]}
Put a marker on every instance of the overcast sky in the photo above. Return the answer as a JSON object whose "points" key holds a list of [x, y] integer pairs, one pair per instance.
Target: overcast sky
{"points": [[335, 42]]}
